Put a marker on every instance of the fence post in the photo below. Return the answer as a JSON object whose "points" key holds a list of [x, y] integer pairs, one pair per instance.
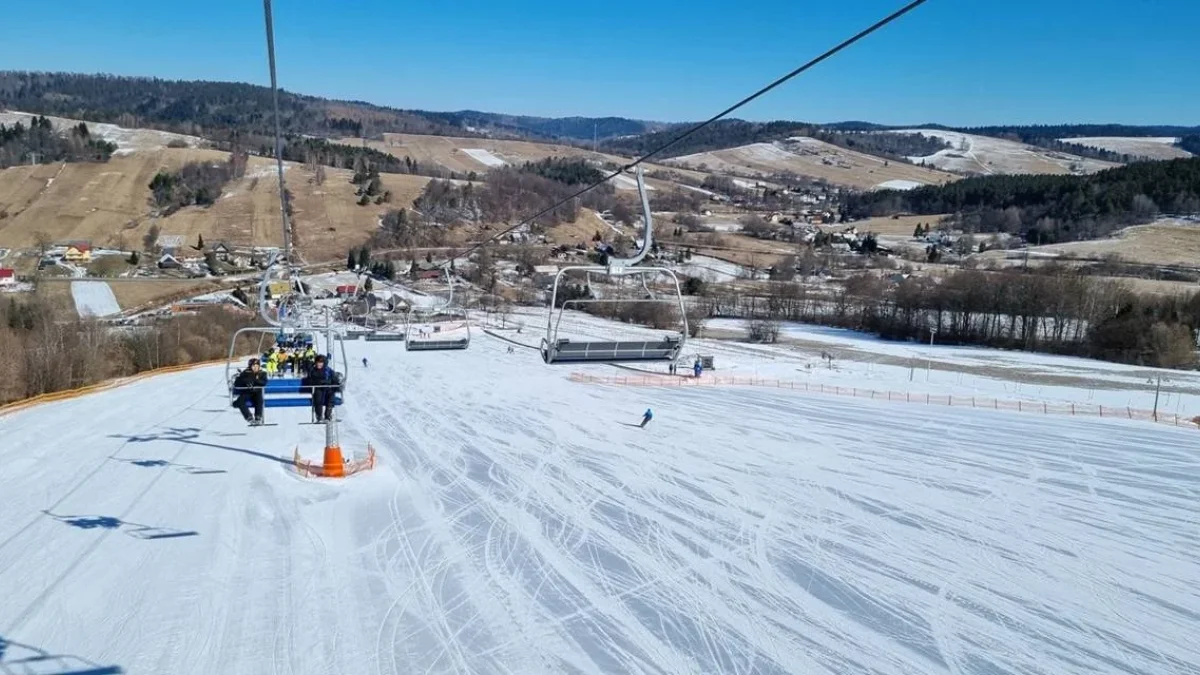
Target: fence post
{"points": [[1102, 411], [1130, 411], [1072, 407], [1019, 406], [1045, 408], [996, 403], [972, 401], [908, 396], [927, 399], [949, 400]]}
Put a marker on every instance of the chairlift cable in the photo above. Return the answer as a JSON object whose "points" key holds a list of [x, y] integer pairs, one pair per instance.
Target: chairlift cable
{"points": [[287, 234], [697, 127]]}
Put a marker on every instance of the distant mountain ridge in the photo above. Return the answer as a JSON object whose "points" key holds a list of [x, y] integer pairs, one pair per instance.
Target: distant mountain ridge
{"points": [[220, 109]]}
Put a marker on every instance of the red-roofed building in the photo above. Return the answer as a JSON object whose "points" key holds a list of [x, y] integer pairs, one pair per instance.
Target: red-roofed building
{"points": [[78, 252], [7, 276]]}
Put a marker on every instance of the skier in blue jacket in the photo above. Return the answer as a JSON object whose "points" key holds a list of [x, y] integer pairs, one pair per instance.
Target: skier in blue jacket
{"points": [[646, 417]]}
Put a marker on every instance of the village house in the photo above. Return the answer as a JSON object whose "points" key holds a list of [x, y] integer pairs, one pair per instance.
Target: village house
{"points": [[78, 252], [8, 276]]}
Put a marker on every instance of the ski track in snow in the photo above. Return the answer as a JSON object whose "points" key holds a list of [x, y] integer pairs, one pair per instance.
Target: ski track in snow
{"points": [[517, 524]]}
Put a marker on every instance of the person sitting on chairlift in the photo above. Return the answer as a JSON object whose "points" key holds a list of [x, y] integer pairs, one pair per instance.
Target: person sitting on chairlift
{"points": [[249, 385], [324, 384]]}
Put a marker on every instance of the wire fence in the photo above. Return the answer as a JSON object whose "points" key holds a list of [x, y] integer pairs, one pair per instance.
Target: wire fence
{"points": [[1039, 407]]}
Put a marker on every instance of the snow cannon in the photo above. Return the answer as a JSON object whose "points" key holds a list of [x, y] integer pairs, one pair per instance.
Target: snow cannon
{"points": [[333, 464]]}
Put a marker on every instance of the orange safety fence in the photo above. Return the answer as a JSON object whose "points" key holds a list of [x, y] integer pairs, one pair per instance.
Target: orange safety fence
{"points": [[67, 394], [1043, 407]]}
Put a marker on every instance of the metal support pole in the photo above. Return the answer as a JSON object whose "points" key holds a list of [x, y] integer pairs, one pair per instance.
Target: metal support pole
{"points": [[1157, 388]]}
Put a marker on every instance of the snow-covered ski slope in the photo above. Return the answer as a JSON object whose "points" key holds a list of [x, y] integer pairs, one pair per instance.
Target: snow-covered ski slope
{"points": [[519, 523], [94, 298]]}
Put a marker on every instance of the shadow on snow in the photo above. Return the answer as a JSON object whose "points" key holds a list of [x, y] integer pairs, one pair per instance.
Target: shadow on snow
{"points": [[135, 530], [19, 659], [190, 435]]}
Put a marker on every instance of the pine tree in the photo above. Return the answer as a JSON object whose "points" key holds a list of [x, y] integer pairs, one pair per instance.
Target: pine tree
{"points": [[364, 258], [351, 263]]}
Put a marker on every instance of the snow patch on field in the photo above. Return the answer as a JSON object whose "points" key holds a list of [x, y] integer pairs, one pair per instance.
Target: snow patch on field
{"points": [[971, 153], [484, 157], [1153, 147], [127, 140], [899, 185], [94, 298]]}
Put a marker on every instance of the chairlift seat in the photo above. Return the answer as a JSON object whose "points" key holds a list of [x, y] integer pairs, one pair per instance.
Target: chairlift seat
{"points": [[295, 401], [567, 351], [431, 345]]}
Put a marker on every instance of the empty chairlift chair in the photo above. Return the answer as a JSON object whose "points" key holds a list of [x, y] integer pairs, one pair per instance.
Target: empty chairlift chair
{"points": [[558, 349], [439, 327]]}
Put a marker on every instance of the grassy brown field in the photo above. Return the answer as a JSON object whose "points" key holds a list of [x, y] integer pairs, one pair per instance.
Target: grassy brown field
{"points": [[107, 204], [1163, 243], [582, 230], [133, 293], [815, 159], [885, 226]]}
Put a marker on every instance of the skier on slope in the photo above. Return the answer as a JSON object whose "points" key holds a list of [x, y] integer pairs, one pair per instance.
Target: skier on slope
{"points": [[646, 417], [364, 362]]}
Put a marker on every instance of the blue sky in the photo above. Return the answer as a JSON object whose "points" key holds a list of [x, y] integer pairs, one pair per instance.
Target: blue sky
{"points": [[961, 62]]}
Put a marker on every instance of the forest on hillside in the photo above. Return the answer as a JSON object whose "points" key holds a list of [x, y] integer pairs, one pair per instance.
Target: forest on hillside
{"points": [[1049, 209], [41, 142], [723, 134], [1030, 132], [200, 107]]}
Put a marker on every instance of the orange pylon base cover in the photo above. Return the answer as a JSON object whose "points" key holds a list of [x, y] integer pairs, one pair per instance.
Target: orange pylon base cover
{"points": [[333, 465]]}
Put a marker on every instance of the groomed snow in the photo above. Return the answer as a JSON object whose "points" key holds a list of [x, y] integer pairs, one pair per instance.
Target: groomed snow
{"points": [[518, 523], [484, 157], [94, 298]]}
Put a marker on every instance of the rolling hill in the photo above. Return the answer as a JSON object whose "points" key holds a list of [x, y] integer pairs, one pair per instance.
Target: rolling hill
{"points": [[810, 157], [106, 203], [973, 154], [1150, 147]]}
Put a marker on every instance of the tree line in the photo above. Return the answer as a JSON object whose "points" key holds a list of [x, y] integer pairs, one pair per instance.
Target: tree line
{"points": [[1049, 209], [52, 349], [1191, 143], [1051, 310], [39, 142], [505, 195], [195, 183], [203, 107]]}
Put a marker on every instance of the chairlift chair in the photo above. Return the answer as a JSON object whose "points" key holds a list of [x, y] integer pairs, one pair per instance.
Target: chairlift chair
{"points": [[288, 392], [556, 349], [440, 316], [415, 340]]}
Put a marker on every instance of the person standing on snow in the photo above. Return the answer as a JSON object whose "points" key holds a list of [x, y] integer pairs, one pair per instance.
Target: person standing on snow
{"points": [[697, 368], [646, 417]]}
